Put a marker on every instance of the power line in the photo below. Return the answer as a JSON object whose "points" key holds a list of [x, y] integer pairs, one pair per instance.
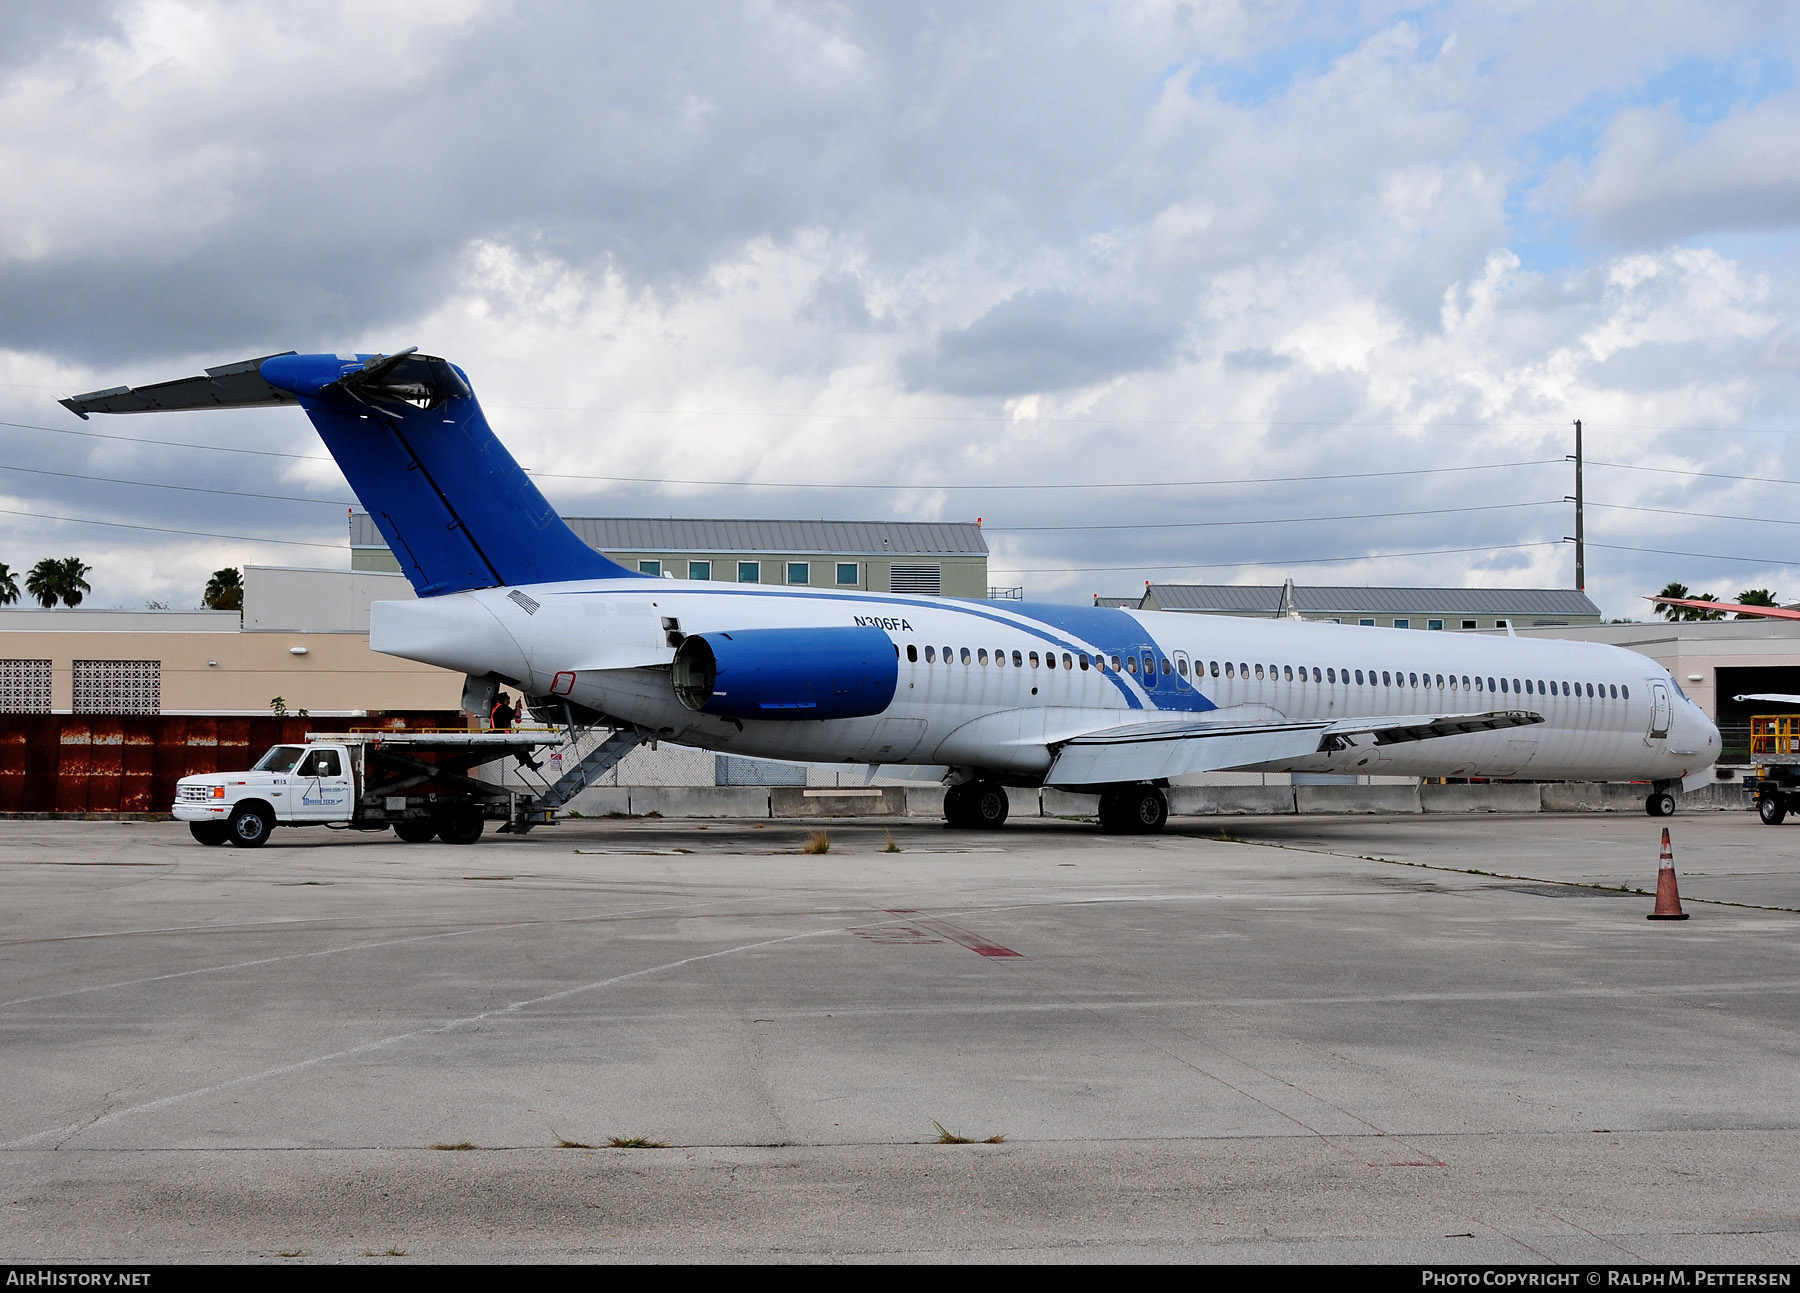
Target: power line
{"points": [[163, 529], [1293, 561], [192, 489], [1764, 561], [1709, 516], [169, 444], [1270, 520], [1681, 471]]}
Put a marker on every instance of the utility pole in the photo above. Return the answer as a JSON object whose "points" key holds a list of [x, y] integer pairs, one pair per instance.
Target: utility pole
{"points": [[1580, 537]]}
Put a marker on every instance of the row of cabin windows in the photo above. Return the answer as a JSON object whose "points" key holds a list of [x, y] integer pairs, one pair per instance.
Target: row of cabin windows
{"points": [[1153, 664], [1399, 678]]}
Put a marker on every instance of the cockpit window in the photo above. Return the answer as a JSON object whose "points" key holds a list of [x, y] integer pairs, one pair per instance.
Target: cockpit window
{"points": [[280, 758], [1677, 686]]}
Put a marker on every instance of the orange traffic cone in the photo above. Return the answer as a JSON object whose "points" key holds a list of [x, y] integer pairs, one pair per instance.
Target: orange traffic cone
{"points": [[1668, 897]]}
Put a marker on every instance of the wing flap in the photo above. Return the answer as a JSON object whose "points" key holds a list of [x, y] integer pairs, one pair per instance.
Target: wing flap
{"points": [[1151, 752]]}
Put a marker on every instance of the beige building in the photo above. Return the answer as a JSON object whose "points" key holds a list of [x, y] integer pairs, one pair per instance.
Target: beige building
{"points": [[304, 637], [940, 558]]}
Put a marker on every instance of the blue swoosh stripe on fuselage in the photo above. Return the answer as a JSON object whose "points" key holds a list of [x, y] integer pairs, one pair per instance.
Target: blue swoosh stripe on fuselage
{"points": [[1086, 627]]}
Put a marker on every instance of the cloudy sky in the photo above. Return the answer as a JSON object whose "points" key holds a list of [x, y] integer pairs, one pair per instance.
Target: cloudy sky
{"points": [[1205, 292]]}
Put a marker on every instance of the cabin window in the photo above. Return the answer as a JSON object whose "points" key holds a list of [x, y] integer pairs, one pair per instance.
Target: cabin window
{"points": [[1082, 660], [1018, 659], [1049, 659], [1503, 684], [1287, 672], [1149, 664], [1590, 689], [1068, 660], [1259, 673], [1412, 680], [1477, 682], [1230, 669], [1359, 678], [912, 654], [1387, 679], [1465, 682], [1317, 675], [1452, 682], [1331, 675], [1565, 689], [1213, 668], [965, 655], [1034, 659], [1615, 691], [1440, 681], [1515, 684], [1624, 692], [1167, 668], [1131, 663], [981, 656], [1490, 684], [930, 655]]}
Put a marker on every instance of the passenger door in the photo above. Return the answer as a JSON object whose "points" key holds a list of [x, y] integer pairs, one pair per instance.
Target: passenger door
{"points": [[319, 789], [1659, 711]]}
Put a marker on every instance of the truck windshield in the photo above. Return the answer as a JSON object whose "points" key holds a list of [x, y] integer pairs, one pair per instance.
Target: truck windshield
{"points": [[280, 758]]}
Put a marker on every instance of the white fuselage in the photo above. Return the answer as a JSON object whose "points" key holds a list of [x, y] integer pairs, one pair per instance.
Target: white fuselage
{"points": [[1609, 713]]}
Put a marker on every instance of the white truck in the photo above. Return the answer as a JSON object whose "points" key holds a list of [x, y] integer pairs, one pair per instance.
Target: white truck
{"points": [[415, 782]]}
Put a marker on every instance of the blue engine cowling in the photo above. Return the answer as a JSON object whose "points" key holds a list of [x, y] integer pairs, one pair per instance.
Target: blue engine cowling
{"points": [[787, 673]]}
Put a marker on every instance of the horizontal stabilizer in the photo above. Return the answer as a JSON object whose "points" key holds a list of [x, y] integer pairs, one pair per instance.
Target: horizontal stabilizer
{"points": [[239, 385], [1152, 751]]}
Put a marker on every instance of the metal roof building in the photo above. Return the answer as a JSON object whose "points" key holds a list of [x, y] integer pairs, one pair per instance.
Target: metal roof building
{"points": [[942, 557], [1417, 608]]}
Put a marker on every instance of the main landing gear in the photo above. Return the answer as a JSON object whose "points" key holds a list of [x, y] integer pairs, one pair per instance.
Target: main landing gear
{"points": [[976, 805], [1133, 810]]}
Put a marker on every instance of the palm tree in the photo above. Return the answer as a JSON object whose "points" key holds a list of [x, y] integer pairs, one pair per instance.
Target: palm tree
{"points": [[9, 586], [1755, 597], [1673, 589], [1695, 613], [225, 590], [53, 580], [44, 582], [74, 581]]}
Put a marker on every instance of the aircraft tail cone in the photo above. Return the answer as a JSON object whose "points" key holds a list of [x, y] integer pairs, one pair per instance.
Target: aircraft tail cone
{"points": [[1668, 897]]}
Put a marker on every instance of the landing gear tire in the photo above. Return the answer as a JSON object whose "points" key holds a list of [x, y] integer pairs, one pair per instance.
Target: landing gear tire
{"points": [[459, 824], [211, 834], [1660, 803], [416, 830], [1772, 809], [976, 805], [1133, 810], [250, 826], [1149, 810], [988, 806]]}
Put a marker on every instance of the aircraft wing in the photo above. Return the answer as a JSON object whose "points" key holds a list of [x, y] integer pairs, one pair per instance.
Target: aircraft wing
{"points": [[1766, 612], [1152, 751]]}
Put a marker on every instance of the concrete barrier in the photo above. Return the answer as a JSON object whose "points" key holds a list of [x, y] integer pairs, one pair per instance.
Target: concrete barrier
{"points": [[837, 801], [1356, 799], [700, 801], [924, 801], [1592, 797], [1230, 801], [1480, 799]]}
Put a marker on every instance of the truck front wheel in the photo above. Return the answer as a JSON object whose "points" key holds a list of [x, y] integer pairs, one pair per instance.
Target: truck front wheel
{"points": [[1771, 808], [459, 824], [211, 834], [416, 831], [250, 826]]}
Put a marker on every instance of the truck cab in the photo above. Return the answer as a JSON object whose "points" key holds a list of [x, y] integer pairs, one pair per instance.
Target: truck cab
{"points": [[288, 786]]}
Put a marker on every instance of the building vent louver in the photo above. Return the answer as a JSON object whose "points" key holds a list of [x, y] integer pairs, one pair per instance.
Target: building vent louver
{"points": [[926, 579]]}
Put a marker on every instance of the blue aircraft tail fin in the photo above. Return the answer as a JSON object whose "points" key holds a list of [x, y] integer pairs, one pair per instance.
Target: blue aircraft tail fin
{"points": [[456, 509]]}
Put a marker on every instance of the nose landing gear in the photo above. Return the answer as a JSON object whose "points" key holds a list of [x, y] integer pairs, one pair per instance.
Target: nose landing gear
{"points": [[1659, 803]]}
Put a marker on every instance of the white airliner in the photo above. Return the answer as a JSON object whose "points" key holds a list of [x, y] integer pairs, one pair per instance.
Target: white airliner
{"points": [[984, 694]]}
